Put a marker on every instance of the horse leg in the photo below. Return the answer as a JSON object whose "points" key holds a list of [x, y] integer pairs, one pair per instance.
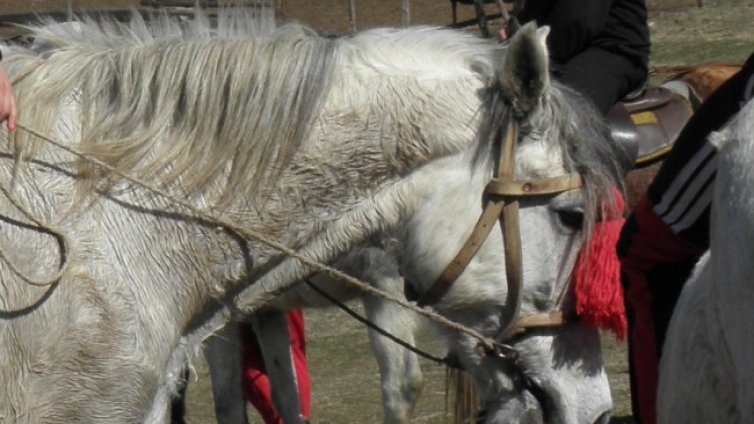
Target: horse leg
{"points": [[271, 329], [164, 403], [400, 375], [178, 403], [223, 358]]}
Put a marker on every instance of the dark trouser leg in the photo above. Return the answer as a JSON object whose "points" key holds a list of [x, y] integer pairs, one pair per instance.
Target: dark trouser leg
{"points": [[255, 382]]}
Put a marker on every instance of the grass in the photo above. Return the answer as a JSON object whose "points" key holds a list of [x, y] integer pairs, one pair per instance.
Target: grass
{"points": [[345, 377], [718, 33]]}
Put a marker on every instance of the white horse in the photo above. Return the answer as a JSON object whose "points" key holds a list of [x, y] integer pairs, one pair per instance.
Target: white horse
{"points": [[570, 384], [106, 287], [706, 368]]}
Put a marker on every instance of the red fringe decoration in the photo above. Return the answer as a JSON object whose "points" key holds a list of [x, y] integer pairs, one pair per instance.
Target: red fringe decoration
{"points": [[598, 289]]}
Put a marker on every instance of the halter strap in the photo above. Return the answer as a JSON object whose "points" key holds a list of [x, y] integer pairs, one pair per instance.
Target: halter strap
{"points": [[540, 187], [501, 203], [493, 210], [540, 322]]}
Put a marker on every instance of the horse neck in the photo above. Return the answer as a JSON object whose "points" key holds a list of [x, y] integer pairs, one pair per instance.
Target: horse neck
{"points": [[378, 124], [416, 88]]}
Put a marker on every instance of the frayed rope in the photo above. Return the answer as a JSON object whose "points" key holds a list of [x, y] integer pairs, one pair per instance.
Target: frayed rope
{"points": [[598, 290]]}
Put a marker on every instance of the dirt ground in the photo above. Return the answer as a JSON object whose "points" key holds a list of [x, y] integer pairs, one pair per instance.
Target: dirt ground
{"points": [[345, 378]]}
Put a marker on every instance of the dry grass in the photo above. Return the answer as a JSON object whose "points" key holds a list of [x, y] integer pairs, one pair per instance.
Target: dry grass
{"points": [[345, 378]]}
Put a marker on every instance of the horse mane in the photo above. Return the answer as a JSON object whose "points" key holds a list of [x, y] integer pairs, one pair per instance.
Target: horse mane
{"points": [[192, 103], [228, 104]]}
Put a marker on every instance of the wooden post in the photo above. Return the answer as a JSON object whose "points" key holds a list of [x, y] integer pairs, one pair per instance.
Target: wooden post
{"points": [[406, 15], [352, 16]]}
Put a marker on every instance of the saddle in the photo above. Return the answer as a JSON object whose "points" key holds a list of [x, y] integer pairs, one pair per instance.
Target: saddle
{"points": [[648, 123]]}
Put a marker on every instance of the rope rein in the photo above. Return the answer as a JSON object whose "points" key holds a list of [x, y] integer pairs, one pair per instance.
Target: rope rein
{"points": [[487, 343], [355, 315], [42, 227]]}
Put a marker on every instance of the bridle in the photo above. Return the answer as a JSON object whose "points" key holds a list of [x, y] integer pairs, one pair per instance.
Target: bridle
{"points": [[501, 197], [501, 202]]}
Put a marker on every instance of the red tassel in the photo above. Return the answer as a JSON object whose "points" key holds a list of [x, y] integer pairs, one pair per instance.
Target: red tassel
{"points": [[598, 289]]}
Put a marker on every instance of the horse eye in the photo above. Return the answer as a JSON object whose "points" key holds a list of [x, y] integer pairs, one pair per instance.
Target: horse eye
{"points": [[571, 218]]}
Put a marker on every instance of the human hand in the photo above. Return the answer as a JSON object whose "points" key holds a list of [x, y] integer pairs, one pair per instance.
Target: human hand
{"points": [[7, 101], [503, 34]]}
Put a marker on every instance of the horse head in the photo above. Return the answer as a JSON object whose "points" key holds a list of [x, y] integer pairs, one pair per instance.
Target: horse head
{"points": [[553, 374]]}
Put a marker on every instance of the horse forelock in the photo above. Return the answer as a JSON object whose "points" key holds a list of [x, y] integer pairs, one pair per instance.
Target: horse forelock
{"points": [[581, 134], [572, 137], [192, 102]]}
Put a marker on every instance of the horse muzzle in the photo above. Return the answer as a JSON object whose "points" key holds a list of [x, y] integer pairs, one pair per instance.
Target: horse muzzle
{"points": [[555, 377]]}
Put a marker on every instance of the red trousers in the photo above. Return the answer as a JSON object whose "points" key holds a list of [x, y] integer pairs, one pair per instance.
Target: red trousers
{"points": [[256, 384]]}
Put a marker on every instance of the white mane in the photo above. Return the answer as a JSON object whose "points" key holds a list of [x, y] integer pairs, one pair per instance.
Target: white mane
{"points": [[240, 98], [239, 107]]}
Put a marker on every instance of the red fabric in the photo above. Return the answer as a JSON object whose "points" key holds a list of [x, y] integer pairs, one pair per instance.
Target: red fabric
{"points": [[598, 291], [653, 243], [256, 385]]}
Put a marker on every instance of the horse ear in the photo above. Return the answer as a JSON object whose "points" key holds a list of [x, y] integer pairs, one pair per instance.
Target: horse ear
{"points": [[526, 74]]}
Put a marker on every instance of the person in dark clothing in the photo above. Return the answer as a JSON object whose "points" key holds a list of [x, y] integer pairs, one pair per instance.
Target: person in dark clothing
{"points": [[598, 47], [667, 233]]}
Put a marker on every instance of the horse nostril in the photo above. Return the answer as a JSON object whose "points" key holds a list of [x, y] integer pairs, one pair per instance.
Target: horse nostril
{"points": [[603, 419]]}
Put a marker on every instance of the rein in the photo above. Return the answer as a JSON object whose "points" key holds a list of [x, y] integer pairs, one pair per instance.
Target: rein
{"points": [[248, 234], [41, 227], [501, 197]]}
